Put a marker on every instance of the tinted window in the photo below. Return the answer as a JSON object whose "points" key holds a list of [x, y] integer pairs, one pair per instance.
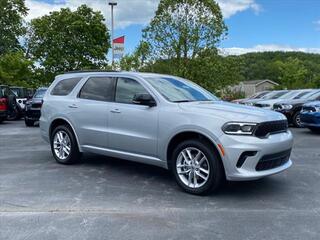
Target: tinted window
{"points": [[40, 93], [65, 86], [127, 88], [98, 88]]}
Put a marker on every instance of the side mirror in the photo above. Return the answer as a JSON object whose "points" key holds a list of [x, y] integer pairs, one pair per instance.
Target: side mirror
{"points": [[144, 99]]}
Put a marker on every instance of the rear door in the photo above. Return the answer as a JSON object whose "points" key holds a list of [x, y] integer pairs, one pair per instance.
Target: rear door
{"points": [[90, 111]]}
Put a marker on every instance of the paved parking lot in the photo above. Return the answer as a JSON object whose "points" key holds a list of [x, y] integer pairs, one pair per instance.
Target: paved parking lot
{"points": [[103, 198]]}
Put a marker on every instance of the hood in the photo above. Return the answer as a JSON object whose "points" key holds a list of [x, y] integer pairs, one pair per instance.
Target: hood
{"points": [[293, 101], [313, 104], [231, 111]]}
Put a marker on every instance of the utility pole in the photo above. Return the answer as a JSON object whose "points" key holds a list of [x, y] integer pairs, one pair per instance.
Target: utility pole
{"points": [[112, 4]]}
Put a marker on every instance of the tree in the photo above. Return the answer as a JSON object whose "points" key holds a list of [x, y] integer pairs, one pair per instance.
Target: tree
{"points": [[181, 29], [15, 69], [11, 26], [66, 40]]}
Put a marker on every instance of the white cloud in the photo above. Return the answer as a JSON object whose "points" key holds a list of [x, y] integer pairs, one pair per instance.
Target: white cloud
{"points": [[317, 23], [266, 48], [129, 12]]}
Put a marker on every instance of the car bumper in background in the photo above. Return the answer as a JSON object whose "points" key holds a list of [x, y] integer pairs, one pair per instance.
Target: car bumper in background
{"points": [[311, 119], [33, 114], [249, 158], [287, 113]]}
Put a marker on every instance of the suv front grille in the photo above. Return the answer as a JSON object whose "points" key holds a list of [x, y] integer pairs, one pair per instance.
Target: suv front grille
{"points": [[266, 128], [273, 160]]}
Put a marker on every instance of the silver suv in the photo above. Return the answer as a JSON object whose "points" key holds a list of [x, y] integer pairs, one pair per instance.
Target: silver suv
{"points": [[164, 121]]}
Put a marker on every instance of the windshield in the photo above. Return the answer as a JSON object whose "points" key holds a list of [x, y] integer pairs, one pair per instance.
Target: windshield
{"points": [[275, 95], [303, 95], [179, 90], [259, 95], [19, 92], [40, 93], [314, 96]]}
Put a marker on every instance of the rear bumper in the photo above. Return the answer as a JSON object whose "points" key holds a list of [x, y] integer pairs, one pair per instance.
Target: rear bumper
{"points": [[34, 115], [3, 114], [311, 119], [271, 148]]}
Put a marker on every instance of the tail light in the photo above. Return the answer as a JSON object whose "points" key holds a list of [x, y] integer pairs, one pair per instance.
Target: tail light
{"points": [[3, 104]]}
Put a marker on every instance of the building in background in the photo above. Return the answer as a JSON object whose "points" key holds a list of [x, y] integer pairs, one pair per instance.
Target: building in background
{"points": [[248, 88]]}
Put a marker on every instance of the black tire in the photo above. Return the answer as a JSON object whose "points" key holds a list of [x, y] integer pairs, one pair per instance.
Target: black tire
{"points": [[216, 173], [296, 120], [29, 123], [314, 129], [74, 155], [1, 120]]}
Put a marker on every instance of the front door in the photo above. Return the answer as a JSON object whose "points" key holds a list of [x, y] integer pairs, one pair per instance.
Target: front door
{"points": [[132, 128]]}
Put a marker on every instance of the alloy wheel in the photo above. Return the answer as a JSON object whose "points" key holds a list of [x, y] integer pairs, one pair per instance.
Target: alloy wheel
{"points": [[62, 145], [193, 167]]}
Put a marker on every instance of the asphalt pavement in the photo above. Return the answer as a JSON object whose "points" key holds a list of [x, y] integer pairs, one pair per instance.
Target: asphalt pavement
{"points": [[106, 198]]}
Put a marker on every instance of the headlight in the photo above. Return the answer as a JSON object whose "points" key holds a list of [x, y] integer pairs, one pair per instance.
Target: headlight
{"points": [[239, 128], [248, 103], [286, 106]]}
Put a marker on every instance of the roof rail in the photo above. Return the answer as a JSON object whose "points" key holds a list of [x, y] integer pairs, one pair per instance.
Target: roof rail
{"points": [[90, 70]]}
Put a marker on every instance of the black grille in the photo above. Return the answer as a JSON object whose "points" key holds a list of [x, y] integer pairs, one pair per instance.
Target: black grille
{"points": [[266, 128], [273, 160], [277, 106]]}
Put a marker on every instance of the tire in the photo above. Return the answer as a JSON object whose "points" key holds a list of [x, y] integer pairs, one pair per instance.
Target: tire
{"points": [[29, 123], [69, 141], [296, 120], [314, 129], [212, 164], [1, 120]]}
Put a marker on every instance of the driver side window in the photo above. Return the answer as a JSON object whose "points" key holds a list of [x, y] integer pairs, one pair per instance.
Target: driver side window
{"points": [[126, 89]]}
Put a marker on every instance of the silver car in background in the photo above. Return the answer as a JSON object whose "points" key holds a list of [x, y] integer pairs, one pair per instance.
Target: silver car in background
{"points": [[165, 121]]}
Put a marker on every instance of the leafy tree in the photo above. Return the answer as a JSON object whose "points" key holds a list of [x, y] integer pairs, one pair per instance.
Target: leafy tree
{"points": [[66, 40], [11, 27], [15, 69], [181, 29]]}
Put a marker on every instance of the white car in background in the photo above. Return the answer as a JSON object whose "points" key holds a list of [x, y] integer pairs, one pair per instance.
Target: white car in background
{"points": [[271, 95], [293, 94]]}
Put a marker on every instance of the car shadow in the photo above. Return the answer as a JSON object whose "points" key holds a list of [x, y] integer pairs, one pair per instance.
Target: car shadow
{"points": [[160, 176]]}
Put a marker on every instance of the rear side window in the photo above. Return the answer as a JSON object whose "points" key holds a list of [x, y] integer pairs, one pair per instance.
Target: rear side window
{"points": [[65, 86], [127, 88], [98, 88]]}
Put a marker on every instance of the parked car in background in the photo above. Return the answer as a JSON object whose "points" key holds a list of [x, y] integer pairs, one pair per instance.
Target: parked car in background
{"points": [[22, 95], [33, 107], [258, 95], [271, 95], [293, 94], [291, 108], [310, 116], [8, 104], [165, 121]]}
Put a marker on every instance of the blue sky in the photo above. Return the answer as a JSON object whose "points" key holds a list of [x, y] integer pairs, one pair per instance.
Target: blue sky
{"points": [[254, 25]]}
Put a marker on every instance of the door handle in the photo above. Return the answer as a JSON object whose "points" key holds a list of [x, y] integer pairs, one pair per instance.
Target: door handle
{"points": [[115, 111], [73, 106]]}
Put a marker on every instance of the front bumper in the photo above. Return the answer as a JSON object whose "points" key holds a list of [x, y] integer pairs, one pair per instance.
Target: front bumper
{"points": [[310, 119], [287, 113], [235, 146]]}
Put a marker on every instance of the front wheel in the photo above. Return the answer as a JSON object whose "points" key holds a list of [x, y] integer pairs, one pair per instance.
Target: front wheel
{"points": [[196, 167], [64, 145], [296, 120]]}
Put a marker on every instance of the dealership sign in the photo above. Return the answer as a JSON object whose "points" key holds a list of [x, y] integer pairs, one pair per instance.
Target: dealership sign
{"points": [[118, 47]]}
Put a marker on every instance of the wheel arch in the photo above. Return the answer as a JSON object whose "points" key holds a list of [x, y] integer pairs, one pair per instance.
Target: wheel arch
{"points": [[63, 121], [185, 135]]}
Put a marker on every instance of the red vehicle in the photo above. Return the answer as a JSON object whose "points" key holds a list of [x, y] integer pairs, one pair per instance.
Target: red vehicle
{"points": [[8, 104]]}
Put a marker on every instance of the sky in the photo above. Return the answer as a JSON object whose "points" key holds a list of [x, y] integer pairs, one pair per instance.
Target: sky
{"points": [[253, 25]]}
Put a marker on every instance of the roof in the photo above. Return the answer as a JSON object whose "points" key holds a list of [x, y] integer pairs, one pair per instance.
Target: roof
{"points": [[258, 82]]}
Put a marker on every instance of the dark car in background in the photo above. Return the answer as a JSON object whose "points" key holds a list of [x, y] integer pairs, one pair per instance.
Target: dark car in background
{"points": [[310, 116], [8, 104], [22, 95], [33, 107], [291, 108]]}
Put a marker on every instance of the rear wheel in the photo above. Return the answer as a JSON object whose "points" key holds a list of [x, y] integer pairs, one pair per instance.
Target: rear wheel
{"points": [[296, 120], [196, 167], [64, 146]]}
